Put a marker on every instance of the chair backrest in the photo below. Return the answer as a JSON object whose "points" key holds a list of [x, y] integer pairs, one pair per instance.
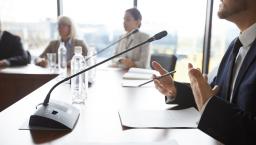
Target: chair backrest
{"points": [[166, 60]]}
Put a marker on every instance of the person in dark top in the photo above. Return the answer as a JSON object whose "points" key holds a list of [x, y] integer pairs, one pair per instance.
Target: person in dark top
{"points": [[11, 50]]}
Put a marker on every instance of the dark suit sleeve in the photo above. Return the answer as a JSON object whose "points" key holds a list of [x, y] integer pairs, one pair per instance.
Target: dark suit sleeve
{"points": [[227, 123], [19, 56], [184, 96]]}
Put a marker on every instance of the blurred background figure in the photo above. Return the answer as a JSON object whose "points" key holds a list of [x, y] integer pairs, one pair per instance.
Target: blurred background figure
{"points": [[139, 56], [11, 50], [67, 34]]}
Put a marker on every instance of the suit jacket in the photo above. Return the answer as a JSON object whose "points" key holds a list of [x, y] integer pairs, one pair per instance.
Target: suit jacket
{"points": [[54, 45], [231, 123], [139, 56], [11, 49]]}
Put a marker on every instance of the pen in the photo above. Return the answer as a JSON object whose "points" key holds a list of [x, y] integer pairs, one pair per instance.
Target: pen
{"points": [[171, 72]]}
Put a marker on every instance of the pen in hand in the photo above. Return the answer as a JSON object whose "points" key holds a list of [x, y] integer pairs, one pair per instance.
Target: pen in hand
{"points": [[167, 74]]}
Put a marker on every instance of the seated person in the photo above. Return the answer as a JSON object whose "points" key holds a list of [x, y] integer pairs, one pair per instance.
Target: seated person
{"points": [[67, 35], [139, 56], [228, 104], [11, 50]]}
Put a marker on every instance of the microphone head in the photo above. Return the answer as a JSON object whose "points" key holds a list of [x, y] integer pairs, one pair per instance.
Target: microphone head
{"points": [[158, 36]]}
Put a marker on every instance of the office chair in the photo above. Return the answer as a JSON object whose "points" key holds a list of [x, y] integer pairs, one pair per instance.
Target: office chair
{"points": [[167, 61]]}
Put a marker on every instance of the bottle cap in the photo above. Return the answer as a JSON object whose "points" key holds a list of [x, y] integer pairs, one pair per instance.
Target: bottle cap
{"points": [[62, 44], [78, 49]]}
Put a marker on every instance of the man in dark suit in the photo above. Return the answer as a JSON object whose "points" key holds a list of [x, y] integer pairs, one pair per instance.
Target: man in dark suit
{"points": [[11, 50], [228, 105]]}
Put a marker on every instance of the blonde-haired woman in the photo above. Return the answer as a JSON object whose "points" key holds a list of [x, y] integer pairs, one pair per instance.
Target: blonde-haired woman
{"points": [[67, 34]]}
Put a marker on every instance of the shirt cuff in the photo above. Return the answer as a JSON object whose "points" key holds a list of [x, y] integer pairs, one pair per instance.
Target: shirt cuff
{"points": [[170, 99]]}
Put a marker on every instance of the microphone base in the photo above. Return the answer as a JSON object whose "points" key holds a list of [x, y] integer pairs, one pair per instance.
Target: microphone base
{"points": [[55, 116]]}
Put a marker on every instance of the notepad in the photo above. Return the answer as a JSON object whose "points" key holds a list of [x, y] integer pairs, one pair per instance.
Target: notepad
{"points": [[142, 70], [185, 118], [135, 83], [136, 76]]}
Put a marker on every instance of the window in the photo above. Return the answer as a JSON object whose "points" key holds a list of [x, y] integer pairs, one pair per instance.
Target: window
{"points": [[34, 21], [99, 22], [184, 20], [223, 32]]}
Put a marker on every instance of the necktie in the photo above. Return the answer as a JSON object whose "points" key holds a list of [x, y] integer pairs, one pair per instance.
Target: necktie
{"points": [[235, 51]]}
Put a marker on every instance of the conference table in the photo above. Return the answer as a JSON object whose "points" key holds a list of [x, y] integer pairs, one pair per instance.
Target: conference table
{"points": [[99, 121], [17, 82]]}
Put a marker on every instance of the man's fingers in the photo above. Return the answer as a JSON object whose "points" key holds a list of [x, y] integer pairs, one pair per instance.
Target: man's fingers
{"points": [[194, 74], [205, 77], [190, 66], [160, 87], [191, 71], [156, 66]]}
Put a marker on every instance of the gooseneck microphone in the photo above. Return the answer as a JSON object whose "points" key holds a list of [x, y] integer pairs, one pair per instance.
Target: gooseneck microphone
{"points": [[59, 115], [104, 49], [155, 37]]}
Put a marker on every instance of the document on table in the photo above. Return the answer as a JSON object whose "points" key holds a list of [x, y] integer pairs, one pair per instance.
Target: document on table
{"points": [[136, 83], [139, 74], [185, 118], [136, 76], [142, 70]]}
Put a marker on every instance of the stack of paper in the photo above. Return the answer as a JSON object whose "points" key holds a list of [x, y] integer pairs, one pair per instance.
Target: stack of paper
{"points": [[143, 71], [137, 76]]}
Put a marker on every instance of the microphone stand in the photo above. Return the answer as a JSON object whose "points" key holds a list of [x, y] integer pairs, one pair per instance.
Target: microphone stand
{"points": [[59, 115], [102, 50]]}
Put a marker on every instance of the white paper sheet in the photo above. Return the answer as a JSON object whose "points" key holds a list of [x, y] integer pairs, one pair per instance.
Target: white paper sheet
{"points": [[141, 70], [140, 74], [137, 76], [185, 118], [136, 83]]}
